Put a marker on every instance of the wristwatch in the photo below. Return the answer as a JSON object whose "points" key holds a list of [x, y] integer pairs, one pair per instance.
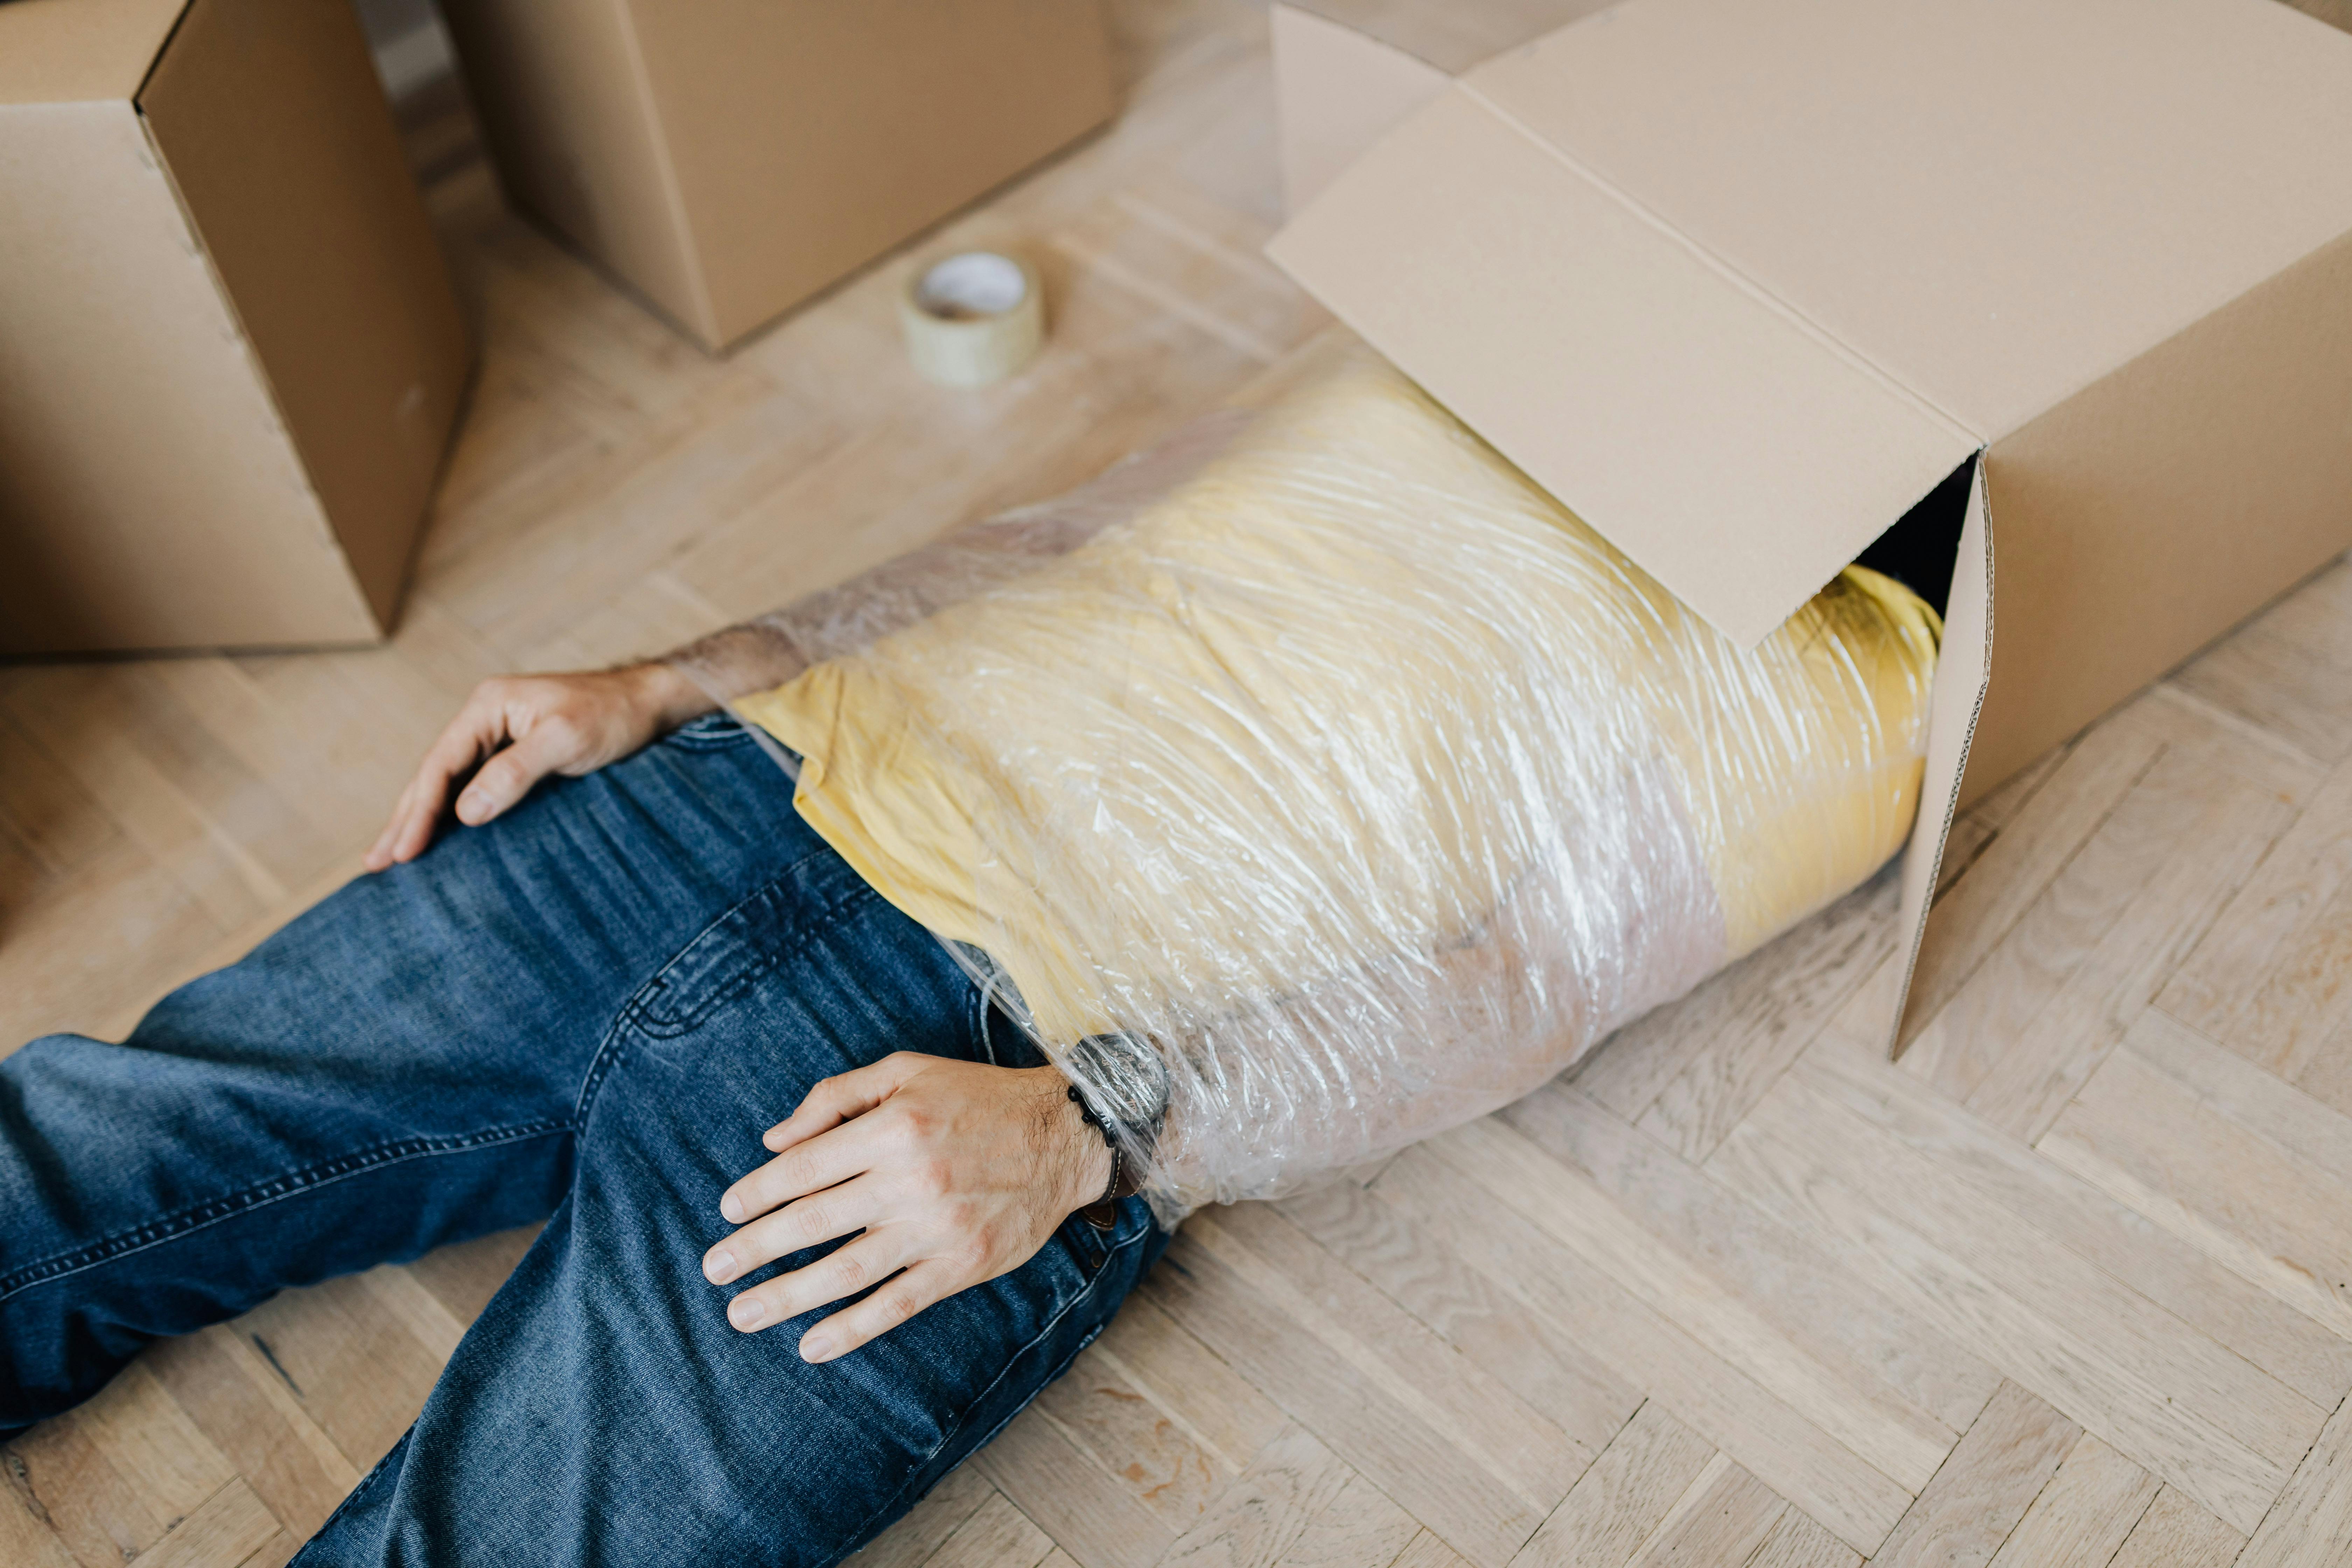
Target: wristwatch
{"points": [[1126, 1093]]}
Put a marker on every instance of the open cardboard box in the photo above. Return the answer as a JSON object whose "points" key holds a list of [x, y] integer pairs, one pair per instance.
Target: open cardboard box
{"points": [[1758, 287], [230, 355]]}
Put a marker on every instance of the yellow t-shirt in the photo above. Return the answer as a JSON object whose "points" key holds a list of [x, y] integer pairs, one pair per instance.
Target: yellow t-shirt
{"points": [[1326, 704]]}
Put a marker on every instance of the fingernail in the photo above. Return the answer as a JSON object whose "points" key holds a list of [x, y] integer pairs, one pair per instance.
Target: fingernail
{"points": [[745, 1311], [719, 1263], [816, 1350], [733, 1207]]}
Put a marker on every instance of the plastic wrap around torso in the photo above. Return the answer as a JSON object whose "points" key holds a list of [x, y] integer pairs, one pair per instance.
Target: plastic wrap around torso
{"points": [[1362, 779]]}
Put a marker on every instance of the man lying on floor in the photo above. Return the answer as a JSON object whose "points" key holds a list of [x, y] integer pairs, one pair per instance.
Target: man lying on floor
{"points": [[1309, 786]]}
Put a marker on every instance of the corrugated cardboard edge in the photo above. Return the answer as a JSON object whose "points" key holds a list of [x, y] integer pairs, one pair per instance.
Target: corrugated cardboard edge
{"points": [[1810, 450], [703, 312], [1939, 794]]}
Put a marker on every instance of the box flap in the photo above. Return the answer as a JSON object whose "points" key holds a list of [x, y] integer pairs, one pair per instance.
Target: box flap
{"points": [[1340, 90], [1735, 451], [80, 51], [1998, 202], [1447, 35]]}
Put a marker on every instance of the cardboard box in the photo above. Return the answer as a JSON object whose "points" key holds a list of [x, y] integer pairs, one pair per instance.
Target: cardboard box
{"points": [[230, 357], [2066, 288], [731, 158]]}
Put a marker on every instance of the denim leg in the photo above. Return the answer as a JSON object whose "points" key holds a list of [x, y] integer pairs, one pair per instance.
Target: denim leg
{"points": [[603, 1412], [404, 1065]]}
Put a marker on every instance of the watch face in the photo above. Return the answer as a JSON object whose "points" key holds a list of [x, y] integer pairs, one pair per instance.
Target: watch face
{"points": [[1126, 1078]]}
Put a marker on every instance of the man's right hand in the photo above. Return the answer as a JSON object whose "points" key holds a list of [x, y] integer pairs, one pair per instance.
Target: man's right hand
{"points": [[514, 730]]}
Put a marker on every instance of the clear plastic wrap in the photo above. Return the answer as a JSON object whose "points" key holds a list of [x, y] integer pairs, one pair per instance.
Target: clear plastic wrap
{"points": [[1345, 789]]}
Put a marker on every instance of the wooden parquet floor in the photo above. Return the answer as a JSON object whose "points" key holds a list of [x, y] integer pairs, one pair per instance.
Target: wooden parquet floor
{"points": [[2069, 1284]]}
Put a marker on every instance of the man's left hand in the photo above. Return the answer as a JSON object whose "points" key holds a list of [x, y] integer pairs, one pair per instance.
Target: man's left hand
{"points": [[955, 1172]]}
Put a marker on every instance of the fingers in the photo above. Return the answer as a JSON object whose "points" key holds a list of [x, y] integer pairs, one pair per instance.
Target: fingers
{"points": [[809, 1167], [838, 1099], [546, 746], [845, 1271], [908, 1293], [836, 1211], [477, 729]]}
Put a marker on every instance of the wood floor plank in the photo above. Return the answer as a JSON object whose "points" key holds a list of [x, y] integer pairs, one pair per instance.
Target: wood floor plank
{"points": [[2169, 1271], [2176, 1533], [1072, 1494], [2206, 832], [1186, 1381], [923, 1527], [2092, 948], [2312, 1522], [2001, 1465], [1426, 1551], [2286, 671], [2257, 1100], [1132, 1445], [1984, 905], [26, 1540], [1621, 1502], [1993, 1294], [1773, 1442], [2084, 1514], [1875, 1344], [1781, 998], [66, 1480], [154, 1460], [1361, 1527], [995, 1535], [1694, 1066], [1796, 1542], [1905, 1443], [246, 1410], [1377, 1391], [2273, 1219], [2259, 982], [224, 1532], [2141, 1344], [1264, 1514], [353, 1364], [1724, 1517], [1415, 1270]]}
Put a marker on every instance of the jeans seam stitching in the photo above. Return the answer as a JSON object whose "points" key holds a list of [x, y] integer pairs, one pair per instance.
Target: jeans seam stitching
{"points": [[157, 1233], [632, 1013], [1094, 1280], [636, 1011]]}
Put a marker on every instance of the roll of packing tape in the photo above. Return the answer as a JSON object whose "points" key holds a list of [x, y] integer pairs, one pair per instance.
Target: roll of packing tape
{"points": [[973, 318]]}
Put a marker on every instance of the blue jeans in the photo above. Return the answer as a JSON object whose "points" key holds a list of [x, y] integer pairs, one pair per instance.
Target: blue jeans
{"points": [[587, 1013]]}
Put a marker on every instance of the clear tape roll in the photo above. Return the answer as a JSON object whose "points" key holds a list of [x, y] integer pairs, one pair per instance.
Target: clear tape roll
{"points": [[973, 318]]}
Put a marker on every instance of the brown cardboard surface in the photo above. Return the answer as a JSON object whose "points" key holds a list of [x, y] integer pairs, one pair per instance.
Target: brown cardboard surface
{"points": [[148, 495], [1340, 90], [563, 103], [1447, 35], [1999, 202], [2112, 239], [267, 115], [2149, 513], [808, 137], [731, 158], [80, 51], [1737, 455]]}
